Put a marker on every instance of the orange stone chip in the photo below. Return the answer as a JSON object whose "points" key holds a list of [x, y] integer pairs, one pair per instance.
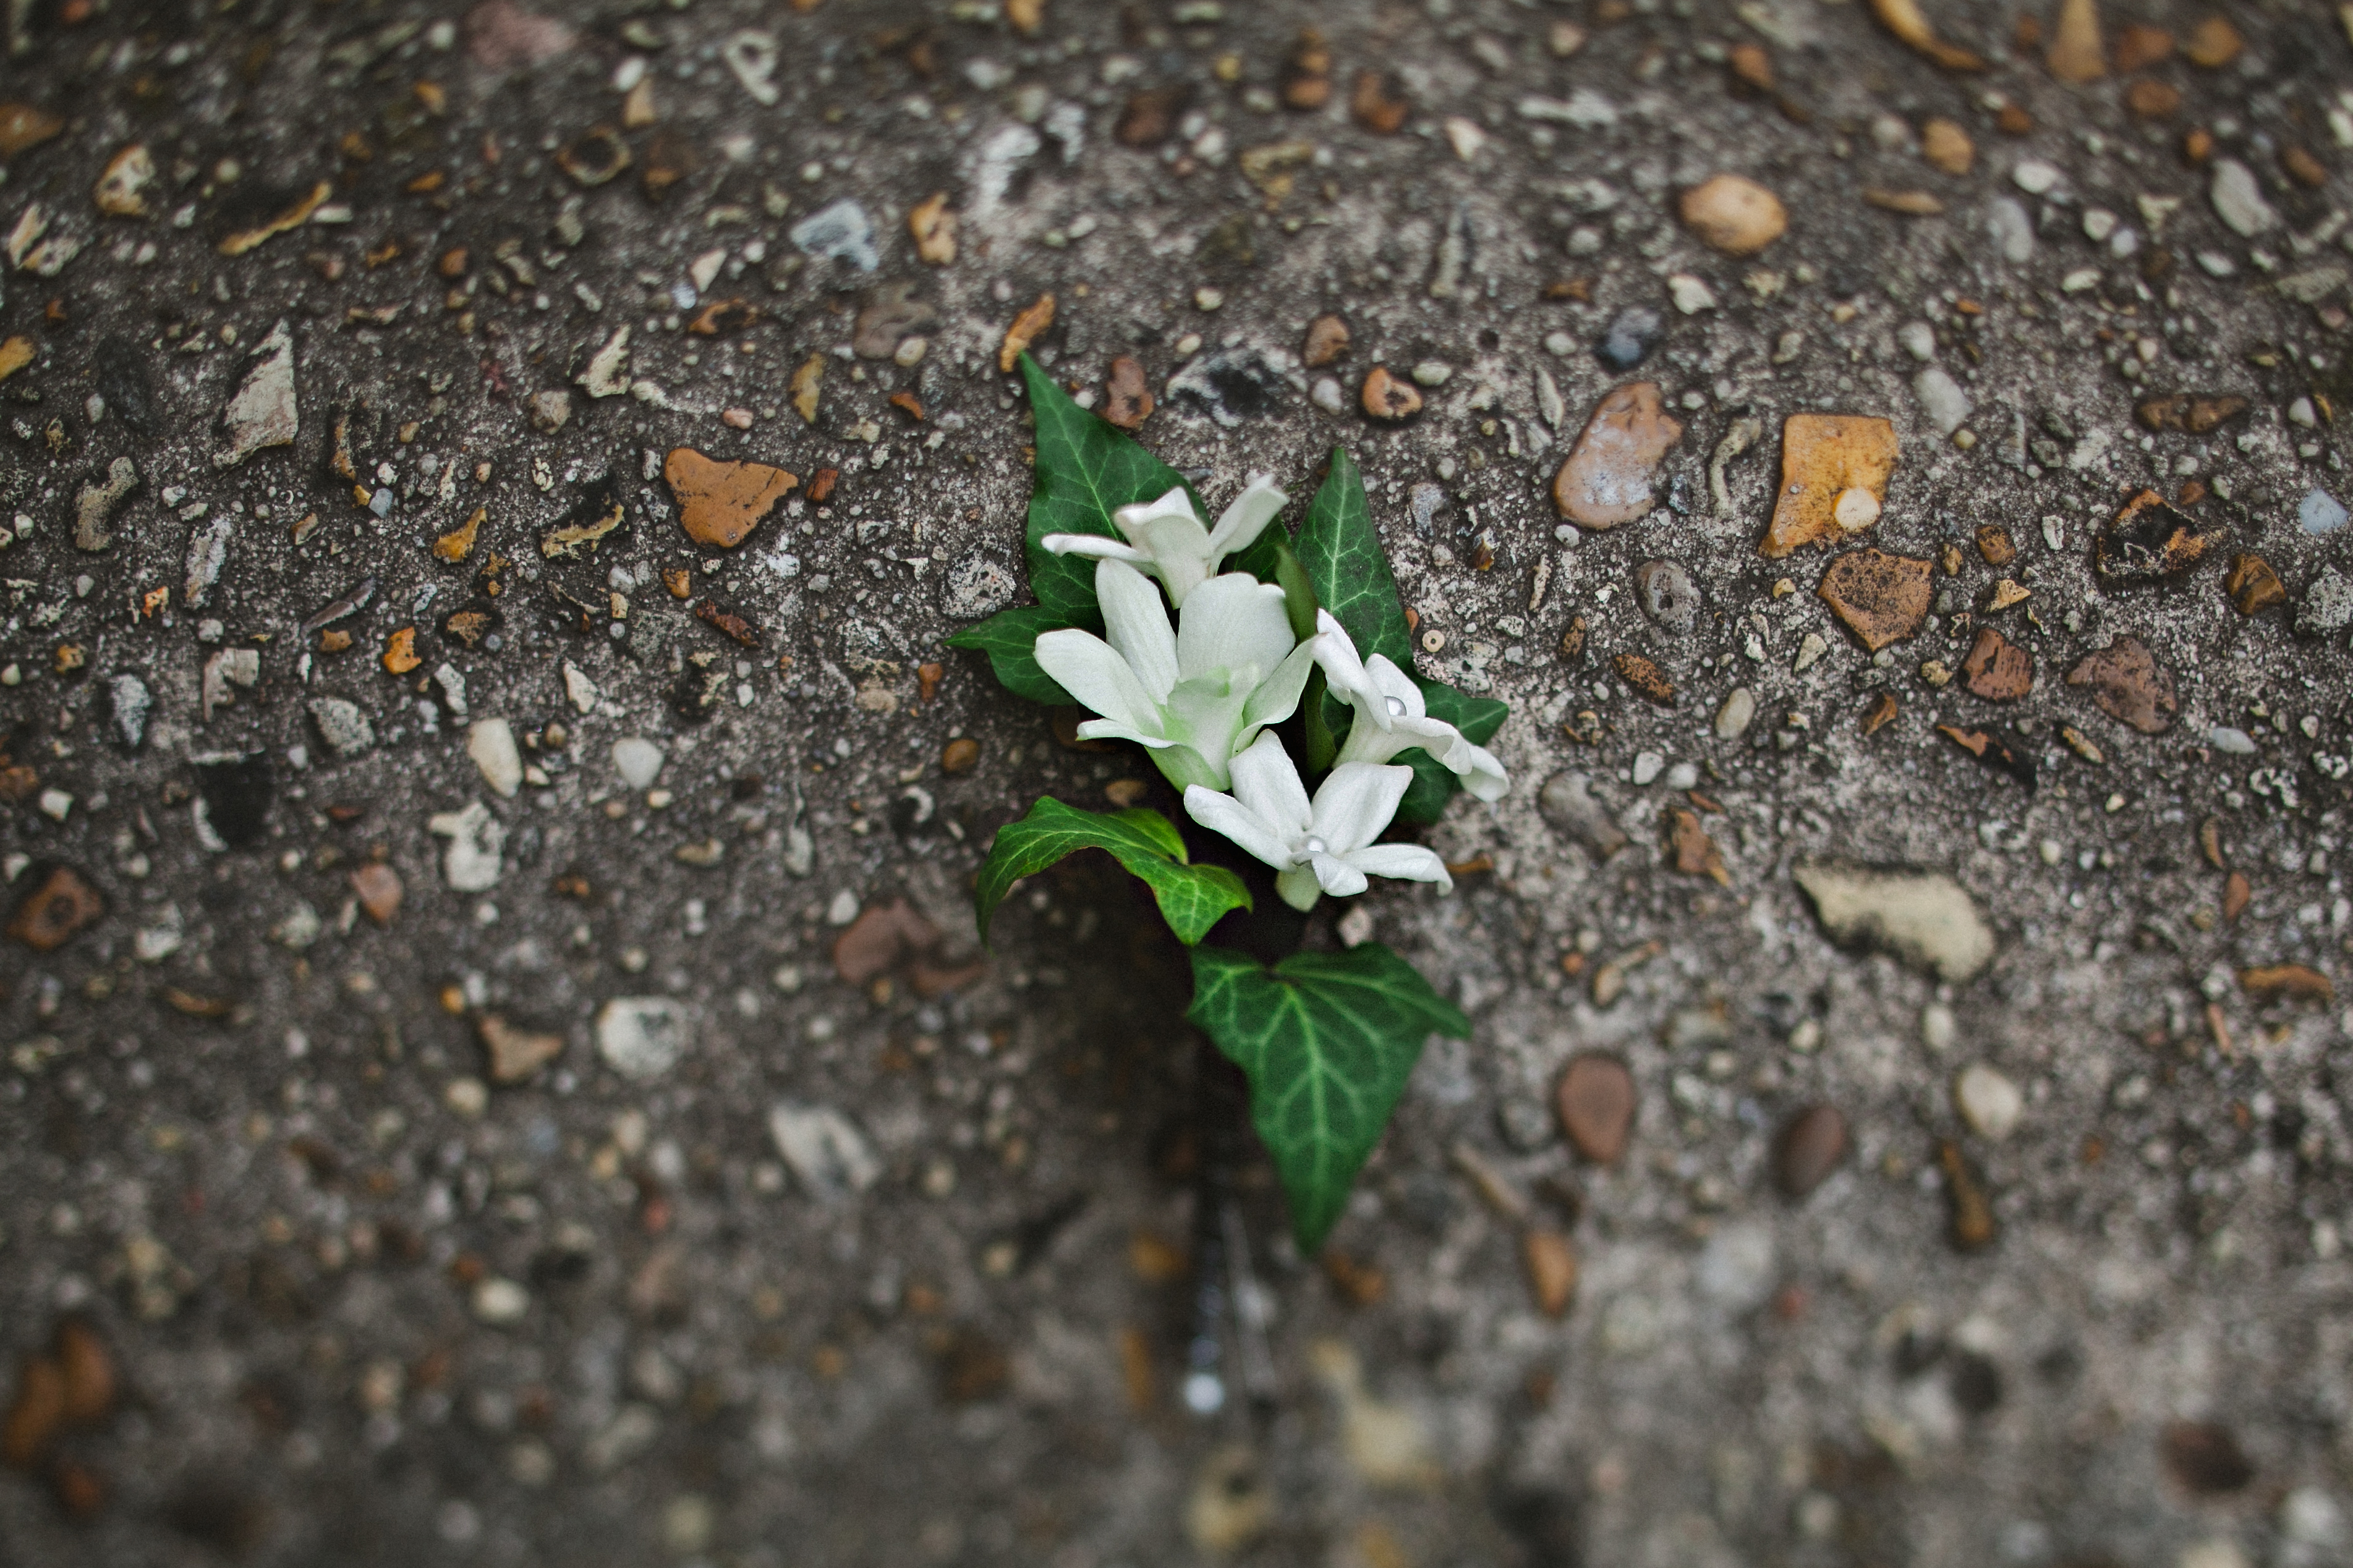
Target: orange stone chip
{"points": [[1999, 670], [1881, 598], [2130, 685], [1026, 327], [1552, 1270], [1823, 456], [2286, 982], [51, 913], [720, 503], [400, 651]]}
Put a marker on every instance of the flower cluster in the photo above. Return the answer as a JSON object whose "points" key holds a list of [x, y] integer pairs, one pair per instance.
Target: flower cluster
{"points": [[1201, 696]]}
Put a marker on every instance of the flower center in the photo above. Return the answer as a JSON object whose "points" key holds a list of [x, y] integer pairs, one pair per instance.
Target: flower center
{"points": [[1314, 845], [1396, 706]]}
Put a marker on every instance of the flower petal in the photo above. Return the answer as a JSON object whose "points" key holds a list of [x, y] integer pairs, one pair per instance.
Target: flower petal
{"points": [[1136, 626], [1233, 621], [1482, 774], [1139, 520], [1224, 814], [1298, 887], [1406, 862], [1356, 802], [1345, 672], [1113, 730], [1386, 678], [1242, 523], [1267, 781], [1093, 544], [1171, 532], [1098, 678], [1337, 876], [1277, 696], [1186, 767]]}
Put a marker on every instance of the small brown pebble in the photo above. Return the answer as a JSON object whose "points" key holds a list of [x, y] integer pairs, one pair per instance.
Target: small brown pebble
{"points": [[1994, 749], [1026, 327], [1809, 1149], [1572, 641], [1752, 68], [1970, 1213], [2253, 586], [2204, 1459], [2147, 542], [882, 935], [1881, 598], [933, 229], [1911, 203], [2302, 166], [80, 1492], [1906, 21], [1993, 544], [25, 125], [1127, 397], [1375, 107], [379, 889], [959, 755], [2214, 44], [1551, 1264], [1307, 75], [1646, 677], [400, 654], [908, 404], [730, 624], [927, 680], [1359, 1284], [334, 640], [1689, 848], [1389, 397], [33, 1417], [1327, 339], [2011, 120], [2075, 53], [87, 1370], [49, 916], [2197, 144], [1880, 714], [1997, 668], [453, 262], [2138, 46], [1947, 146], [820, 489], [2286, 982], [1596, 1102], [1607, 479], [680, 581], [1738, 216], [458, 543], [1150, 117], [1153, 1260], [2152, 99], [2209, 843], [515, 1053], [2130, 685], [721, 502], [2197, 414], [2236, 894]]}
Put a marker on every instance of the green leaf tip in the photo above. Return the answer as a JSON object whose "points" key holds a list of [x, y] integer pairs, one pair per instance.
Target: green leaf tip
{"points": [[1327, 1041], [1191, 897]]}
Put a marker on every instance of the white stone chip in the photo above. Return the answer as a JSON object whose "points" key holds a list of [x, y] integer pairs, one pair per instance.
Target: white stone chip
{"points": [[263, 413], [1924, 917], [1733, 719], [638, 759], [828, 1155], [491, 743], [470, 864], [1988, 1102], [642, 1037], [578, 690]]}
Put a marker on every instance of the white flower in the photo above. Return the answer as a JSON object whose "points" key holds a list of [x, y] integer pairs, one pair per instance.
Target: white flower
{"points": [[1196, 695], [1323, 847], [1392, 717], [1165, 538]]}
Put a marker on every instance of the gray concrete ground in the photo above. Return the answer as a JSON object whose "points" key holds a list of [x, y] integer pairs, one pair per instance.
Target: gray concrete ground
{"points": [[553, 1198]]}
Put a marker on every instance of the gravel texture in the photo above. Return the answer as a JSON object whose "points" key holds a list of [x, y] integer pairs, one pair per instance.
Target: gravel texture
{"points": [[437, 1105]]}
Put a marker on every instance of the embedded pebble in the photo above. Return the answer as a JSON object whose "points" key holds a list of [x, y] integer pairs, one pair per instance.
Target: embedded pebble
{"points": [[1596, 1101], [341, 725], [1988, 1102], [1732, 720], [1738, 216], [2238, 201], [1834, 474], [2327, 605], [1567, 801], [1607, 479], [491, 743], [642, 1037], [2320, 512], [638, 759], [1941, 399], [828, 1154], [477, 839], [1809, 1148], [1923, 917], [1667, 596], [1631, 336]]}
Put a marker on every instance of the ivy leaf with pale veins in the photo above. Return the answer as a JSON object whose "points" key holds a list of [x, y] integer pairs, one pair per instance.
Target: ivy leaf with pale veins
{"points": [[1087, 468], [1327, 1041], [1191, 897], [1010, 638], [1341, 552]]}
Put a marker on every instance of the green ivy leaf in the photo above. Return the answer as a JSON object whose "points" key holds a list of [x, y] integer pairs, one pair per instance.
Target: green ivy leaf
{"points": [[1433, 785], [1327, 1041], [1191, 897], [1087, 468], [1341, 550], [1010, 638]]}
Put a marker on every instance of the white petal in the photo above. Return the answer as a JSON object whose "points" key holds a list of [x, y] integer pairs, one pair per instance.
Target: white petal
{"points": [[1113, 730], [1098, 678], [1187, 768], [1298, 887], [1232, 621], [1406, 862], [1139, 520], [1137, 625], [1171, 533], [1277, 696], [1483, 777], [1356, 802], [1342, 671], [1246, 519], [1224, 814], [1337, 876], [1387, 679], [1267, 781], [1093, 544]]}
